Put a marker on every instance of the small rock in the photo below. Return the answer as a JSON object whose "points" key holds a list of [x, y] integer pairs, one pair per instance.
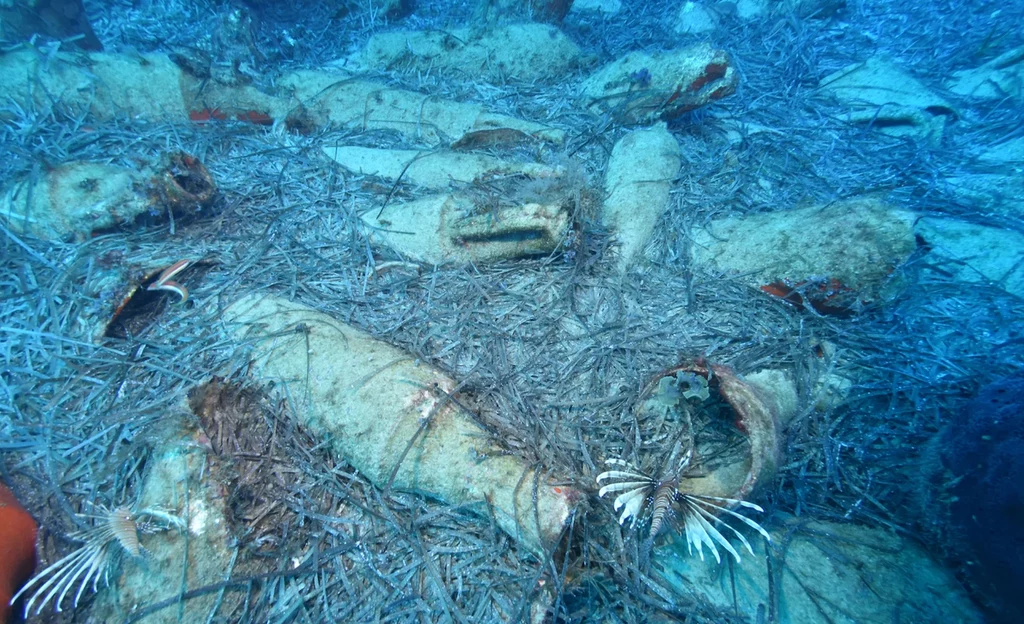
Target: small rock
{"points": [[396, 9], [695, 19], [811, 9], [748, 10]]}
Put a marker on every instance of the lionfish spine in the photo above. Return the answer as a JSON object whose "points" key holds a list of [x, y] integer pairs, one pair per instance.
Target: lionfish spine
{"points": [[122, 524]]}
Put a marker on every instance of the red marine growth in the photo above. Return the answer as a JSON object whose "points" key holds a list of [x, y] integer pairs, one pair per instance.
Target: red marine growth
{"points": [[17, 549]]}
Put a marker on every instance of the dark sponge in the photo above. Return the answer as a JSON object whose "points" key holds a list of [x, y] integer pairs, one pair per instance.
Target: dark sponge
{"points": [[984, 447]]}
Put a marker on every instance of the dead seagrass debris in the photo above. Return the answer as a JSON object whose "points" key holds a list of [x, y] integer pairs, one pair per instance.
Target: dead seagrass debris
{"points": [[704, 478], [523, 51], [596, 7], [487, 13], [435, 168]]}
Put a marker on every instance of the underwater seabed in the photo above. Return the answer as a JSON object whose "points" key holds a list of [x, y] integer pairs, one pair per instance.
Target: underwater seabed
{"points": [[513, 310]]}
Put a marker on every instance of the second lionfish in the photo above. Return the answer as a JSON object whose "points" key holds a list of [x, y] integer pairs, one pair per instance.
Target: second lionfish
{"points": [[640, 495]]}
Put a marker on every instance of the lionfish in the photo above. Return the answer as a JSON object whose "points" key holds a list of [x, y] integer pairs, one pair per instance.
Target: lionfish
{"points": [[115, 531], [641, 495]]}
